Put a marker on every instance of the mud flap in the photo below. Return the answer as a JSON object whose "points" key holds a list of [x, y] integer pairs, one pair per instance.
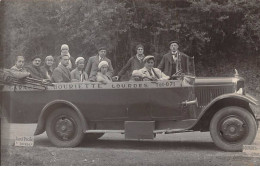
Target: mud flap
{"points": [[139, 129]]}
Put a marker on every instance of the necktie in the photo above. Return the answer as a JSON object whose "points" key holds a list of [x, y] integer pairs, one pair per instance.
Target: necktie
{"points": [[150, 72], [81, 77], [174, 57]]}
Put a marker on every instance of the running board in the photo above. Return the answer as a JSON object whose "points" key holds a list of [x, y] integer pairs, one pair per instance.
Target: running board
{"points": [[105, 131], [167, 131]]}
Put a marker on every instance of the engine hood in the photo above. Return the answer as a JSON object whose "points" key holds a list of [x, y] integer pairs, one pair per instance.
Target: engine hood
{"points": [[216, 80]]}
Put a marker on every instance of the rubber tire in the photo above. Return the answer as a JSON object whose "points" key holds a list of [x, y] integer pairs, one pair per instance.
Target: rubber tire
{"points": [[237, 111], [78, 132], [92, 136]]}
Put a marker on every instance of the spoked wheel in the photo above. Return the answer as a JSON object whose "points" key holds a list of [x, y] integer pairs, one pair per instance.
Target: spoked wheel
{"points": [[63, 128], [233, 127]]}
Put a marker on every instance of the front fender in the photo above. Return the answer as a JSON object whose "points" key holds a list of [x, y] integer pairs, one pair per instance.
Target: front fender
{"points": [[232, 99], [248, 99], [51, 106]]}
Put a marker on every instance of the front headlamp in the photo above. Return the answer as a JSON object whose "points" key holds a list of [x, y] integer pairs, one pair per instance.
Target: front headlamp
{"points": [[240, 91]]}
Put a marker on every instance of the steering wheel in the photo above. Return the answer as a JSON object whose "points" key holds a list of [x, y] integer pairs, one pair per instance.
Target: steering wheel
{"points": [[177, 75]]}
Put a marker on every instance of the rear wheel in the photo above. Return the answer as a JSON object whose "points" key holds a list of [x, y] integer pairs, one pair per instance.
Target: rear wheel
{"points": [[233, 127], [63, 128]]}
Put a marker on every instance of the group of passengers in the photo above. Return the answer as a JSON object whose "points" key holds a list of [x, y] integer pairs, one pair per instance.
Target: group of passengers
{"points": [[99, 68]]}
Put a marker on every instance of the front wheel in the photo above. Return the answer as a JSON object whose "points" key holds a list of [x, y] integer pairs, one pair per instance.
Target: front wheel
{"points": [[63, 128], [233, 127]]}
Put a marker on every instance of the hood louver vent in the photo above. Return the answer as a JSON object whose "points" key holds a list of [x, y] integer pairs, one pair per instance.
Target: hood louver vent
{"points": [[206, 94]]}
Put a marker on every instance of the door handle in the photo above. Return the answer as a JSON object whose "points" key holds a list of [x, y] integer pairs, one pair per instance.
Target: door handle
{"points": [[185, 103]]}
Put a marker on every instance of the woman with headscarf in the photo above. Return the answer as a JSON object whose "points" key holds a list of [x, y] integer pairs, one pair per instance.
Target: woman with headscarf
{"points": [[149, 73], [78, 74], [101, 74], [47, 68]]}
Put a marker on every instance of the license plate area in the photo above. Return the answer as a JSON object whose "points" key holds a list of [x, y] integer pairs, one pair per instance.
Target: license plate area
{"points": [[139, 129]]}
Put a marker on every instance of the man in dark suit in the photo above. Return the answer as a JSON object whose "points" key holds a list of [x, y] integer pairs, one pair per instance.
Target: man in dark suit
{"points": [[92, 65], [61, 73], [173, 61]]}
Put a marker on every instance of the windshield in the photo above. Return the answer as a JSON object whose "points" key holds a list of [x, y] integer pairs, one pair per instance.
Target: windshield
{"points": [[189, 68]]}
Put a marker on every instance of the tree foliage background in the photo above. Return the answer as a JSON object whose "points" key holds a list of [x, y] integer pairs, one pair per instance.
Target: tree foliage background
{"points": [[221, 34]]}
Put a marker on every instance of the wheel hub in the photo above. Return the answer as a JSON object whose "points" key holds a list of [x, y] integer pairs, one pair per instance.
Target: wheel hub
{"points": [[64, 128], [233, 129]]}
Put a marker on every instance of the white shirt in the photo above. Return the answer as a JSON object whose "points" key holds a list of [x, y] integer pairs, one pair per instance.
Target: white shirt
{"points": [[174, 56], [100, 58], [140, 58]]}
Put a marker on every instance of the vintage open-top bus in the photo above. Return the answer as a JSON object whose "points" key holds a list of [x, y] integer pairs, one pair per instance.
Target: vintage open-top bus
{"points": [[68, 112]]}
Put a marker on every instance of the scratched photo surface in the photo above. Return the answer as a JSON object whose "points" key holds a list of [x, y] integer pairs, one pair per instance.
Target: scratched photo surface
{"points": [[129, 83]]}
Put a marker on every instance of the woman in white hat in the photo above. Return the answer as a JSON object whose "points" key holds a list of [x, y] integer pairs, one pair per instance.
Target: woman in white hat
{"points": [[149, 73], [102, 73], [78, 74]]}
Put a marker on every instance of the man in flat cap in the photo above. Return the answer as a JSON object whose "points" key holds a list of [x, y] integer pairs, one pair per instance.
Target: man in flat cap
{"points": [[34, 69], [148, 72], [174, 61], [134, 63], [92, 65]]}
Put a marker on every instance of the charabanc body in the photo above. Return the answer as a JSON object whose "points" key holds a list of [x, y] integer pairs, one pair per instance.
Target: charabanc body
{"points": [[68, 112]]}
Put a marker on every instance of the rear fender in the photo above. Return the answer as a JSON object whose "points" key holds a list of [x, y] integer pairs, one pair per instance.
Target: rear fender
{"points": [[50, 107], [222, 101]]}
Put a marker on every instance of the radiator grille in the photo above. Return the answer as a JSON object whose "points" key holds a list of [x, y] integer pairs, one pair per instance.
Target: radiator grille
{"points": [[205, 94]]}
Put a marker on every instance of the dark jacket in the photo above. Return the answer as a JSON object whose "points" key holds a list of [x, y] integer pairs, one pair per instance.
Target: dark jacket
{"points": [[92, 67], [35, 72], [46, 71], [57, 61], [61, 74], [132, 64], [168, 65]]}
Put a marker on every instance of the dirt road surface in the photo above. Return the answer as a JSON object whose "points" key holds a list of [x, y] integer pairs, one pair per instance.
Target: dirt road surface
{"points": [[193, 148]]}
